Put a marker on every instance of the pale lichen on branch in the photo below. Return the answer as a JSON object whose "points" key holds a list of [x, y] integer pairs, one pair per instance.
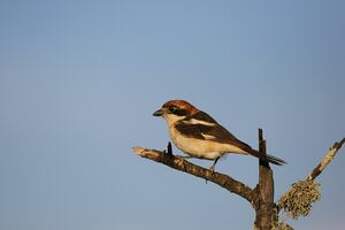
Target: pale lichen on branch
{"points": [[299, 199]]}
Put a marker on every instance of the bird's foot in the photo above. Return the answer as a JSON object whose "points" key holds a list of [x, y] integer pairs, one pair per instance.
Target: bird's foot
{"points": [[212, 168]]}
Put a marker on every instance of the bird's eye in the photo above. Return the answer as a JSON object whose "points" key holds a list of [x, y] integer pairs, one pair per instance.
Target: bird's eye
{"points": [[173, 109]]}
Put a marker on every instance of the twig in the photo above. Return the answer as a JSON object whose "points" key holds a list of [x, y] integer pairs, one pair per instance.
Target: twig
{"points": [[329, 156]]}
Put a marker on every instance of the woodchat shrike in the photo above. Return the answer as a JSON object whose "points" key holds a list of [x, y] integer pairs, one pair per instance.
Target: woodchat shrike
{"points": [[200, 136]]}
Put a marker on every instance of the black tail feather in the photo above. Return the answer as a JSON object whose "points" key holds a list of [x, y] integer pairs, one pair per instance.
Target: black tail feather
{"points": [[274, 160], [267, 157]]}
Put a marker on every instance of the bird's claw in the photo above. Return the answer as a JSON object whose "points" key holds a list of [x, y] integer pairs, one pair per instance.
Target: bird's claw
{"points": [[212, 168]]}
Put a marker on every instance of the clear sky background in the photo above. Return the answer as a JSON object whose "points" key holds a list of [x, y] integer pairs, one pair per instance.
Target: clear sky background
{"points": [[79, 81]]}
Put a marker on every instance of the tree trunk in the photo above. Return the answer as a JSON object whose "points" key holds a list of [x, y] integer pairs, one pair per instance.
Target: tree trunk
{"points": [[265, 207]]}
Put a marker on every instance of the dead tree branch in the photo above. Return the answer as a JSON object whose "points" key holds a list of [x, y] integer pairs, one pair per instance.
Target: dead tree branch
{"points": [[180, 164], [329, 156], [265, 210], [261, 197]]}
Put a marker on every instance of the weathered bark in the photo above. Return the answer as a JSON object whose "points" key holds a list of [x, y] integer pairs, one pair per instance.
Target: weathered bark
{"points": [[265, 206], [180, 164]]}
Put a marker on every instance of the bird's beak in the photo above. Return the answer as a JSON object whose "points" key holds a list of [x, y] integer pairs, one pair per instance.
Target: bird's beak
{"points": [[158, 113]]}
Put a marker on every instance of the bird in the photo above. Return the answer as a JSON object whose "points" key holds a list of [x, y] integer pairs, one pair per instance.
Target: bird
{"points": [[200, 136]]}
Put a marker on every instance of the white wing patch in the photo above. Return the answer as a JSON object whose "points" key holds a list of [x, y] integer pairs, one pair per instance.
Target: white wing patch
{"points": [[208, 137], [198, 122]]}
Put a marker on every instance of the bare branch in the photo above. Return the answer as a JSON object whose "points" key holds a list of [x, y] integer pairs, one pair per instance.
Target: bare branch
{"points": [[180, 164], [329, 156]]}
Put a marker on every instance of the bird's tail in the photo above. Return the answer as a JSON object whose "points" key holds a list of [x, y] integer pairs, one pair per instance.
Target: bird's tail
{"points": [[267, 157]]}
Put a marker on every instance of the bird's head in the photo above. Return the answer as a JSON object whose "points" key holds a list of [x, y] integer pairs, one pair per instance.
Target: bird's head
{"points": [[175, 110]]}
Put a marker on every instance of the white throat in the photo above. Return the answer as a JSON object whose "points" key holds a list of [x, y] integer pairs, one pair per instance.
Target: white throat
{"points": [[172, 118]]}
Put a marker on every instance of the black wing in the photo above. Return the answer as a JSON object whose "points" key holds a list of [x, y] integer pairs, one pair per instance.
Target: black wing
{"points": [[214, 132]]}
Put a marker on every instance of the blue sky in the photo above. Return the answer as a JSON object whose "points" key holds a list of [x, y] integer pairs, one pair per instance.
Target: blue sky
{"points": [[79, 81]]}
